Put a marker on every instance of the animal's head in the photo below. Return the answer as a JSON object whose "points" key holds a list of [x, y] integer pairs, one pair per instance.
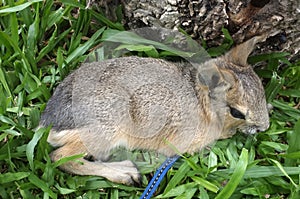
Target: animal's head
{"points": [[237, 92]]}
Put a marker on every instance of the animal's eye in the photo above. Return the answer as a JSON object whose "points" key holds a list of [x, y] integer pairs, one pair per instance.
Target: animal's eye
{"points": [[236, 113]]}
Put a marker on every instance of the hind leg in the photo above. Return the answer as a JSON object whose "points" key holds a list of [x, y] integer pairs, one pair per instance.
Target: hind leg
{"points": [[124, 172]]}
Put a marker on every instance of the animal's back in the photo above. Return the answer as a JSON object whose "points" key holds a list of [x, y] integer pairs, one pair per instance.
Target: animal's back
{"points": [[130, 96], [58, 112]]}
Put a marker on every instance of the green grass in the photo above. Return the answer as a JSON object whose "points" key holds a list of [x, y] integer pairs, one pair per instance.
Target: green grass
{"points": [[42, 41]]}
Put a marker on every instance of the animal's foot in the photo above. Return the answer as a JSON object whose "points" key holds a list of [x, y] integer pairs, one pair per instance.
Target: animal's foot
{"points": [[124, 172]]}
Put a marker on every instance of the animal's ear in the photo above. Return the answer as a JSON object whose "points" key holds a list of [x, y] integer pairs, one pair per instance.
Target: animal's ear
{"points": [[239, 54], [217, 80]]}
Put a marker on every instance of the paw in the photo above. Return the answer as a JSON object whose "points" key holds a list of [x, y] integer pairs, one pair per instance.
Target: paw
{"points": [[130, 179], [124, 172]]}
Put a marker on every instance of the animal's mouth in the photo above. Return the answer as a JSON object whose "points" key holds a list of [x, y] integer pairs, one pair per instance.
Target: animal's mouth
{"points": [[253, 129]]}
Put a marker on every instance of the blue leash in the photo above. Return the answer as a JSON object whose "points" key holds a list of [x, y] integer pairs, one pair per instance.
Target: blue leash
{"points": [[158, 176]]}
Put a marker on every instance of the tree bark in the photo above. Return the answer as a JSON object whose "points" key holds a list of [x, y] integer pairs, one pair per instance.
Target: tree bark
{"points": [[204, 19]]}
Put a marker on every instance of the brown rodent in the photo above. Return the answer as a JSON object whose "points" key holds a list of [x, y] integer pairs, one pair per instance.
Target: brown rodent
{"points": [[153, 104]]}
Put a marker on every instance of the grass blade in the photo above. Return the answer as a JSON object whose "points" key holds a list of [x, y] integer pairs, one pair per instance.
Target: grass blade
{"points": [[10, 177], [177, 191], [293, 143], [179, 175], [261, 171], [284, 172], [206, 184], [31, 145], [18, 7], [4, 83], [236, 176], [42, 185], [86, 46]]}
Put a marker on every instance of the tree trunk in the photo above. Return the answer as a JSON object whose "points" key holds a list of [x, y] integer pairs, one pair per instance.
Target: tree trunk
{"points": [[204, 19]]}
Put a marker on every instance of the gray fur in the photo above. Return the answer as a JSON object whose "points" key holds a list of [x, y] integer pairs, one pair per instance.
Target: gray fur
{"points": [[147, 103]]}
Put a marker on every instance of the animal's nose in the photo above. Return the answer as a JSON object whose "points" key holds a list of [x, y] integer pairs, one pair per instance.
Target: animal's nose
{"points": [[263, 127], [259, 129]]}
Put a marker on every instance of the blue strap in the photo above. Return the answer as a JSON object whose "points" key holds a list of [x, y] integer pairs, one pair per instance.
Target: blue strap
{"points": [[158, 176]]}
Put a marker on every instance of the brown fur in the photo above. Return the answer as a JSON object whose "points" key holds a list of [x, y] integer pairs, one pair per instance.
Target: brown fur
{"points": [[146, 103]]}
